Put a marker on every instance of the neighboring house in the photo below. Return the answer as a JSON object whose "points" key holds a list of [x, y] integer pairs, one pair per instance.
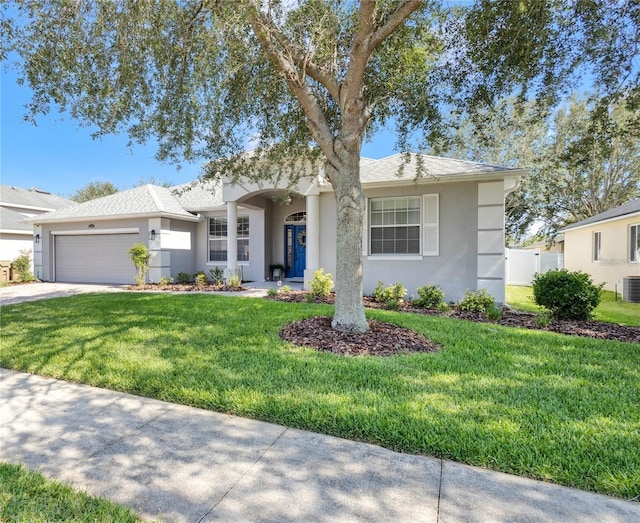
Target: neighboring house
{"points": [[607, 246], [543, 247], [16, 207], [445, 228]]}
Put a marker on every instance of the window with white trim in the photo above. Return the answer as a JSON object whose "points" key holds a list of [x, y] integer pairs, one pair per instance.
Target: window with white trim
{"points": [[394, 225], [218, 239], [634, 243], [597, 245]]}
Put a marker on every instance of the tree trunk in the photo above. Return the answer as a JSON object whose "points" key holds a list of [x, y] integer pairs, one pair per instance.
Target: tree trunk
{"points": [[349, 308]]}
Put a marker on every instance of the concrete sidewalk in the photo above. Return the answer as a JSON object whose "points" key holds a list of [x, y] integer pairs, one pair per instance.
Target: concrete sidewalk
{"points": [[177, 463]]}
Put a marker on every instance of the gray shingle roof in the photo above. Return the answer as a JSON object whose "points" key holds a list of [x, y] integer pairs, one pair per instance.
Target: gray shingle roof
{"points": [[386, 169], [627, 208], [13, 221], [199, 196], [31, 198], [145, 200]]}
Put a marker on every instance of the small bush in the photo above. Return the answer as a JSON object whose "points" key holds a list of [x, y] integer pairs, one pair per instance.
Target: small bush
{"points": [[322, 283], [429, 297], [477, 301], [217, 275], [309, 297], [392, 296], [272, 291], [22, 266], [200, 279], [165, 280], [285, 288], [494, 313], [568, 295], [183, 277], [234, 280], [139, 255], [543, 319]]}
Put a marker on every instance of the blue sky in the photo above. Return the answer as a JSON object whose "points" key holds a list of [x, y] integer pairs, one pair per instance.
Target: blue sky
{"points": [[59, 156]]}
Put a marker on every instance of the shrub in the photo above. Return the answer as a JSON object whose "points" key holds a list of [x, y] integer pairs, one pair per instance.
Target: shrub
{"points": [[272, 291], [234, 280], [183, 277], [200, 279], [322, 283], [477, 301], [217, 275], [568, 295], [392, 296], [285, 288], [139, 255], [165, 280], [429, 297], [22, 266]]}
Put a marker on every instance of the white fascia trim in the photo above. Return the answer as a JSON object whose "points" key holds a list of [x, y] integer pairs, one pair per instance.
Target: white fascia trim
{"points": [[429, 180], [112, 217], [82, 232], [26, 207], [600, 222], [16, 231]]}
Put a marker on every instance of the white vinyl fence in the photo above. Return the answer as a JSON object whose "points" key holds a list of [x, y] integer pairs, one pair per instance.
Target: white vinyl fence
{"points": [[523, 264]]}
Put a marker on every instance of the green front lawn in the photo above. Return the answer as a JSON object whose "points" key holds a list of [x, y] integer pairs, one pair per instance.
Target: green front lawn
{"points": [[29, 497], [609, 310], [537, 404]]}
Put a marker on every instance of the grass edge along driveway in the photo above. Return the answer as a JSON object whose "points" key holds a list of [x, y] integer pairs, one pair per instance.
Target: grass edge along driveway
{"points": [[542, 405]]}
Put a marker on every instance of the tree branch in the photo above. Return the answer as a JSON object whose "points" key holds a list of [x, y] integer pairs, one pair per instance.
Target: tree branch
{"points": [[266, 32]]}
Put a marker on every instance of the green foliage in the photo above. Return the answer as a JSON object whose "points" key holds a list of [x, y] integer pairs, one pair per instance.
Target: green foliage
{"points": [[392, 296], [568, 295], [200, 278], [217, 275], [234, 280], [322, 283], [543, 319], [429, 297], [165, 280], [272, 291], [22, 266], [477, 301], [285, 288], [139, 255], [29, 496], [526, 402], [93, 190], [183, 277]]}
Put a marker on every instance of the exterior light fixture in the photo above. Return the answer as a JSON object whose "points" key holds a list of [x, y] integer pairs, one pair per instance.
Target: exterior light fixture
{"points": [[36, 238], [152, 234]]}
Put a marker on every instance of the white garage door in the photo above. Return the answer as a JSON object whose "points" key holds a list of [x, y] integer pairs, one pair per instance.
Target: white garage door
{"points": [[95, 258]]}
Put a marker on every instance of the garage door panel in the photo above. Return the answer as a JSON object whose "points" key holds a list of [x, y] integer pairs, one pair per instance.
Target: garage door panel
{"points": [[95, 258]]}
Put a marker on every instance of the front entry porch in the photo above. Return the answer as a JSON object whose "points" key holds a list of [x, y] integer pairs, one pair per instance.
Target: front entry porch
{"points": [[289, 234]]}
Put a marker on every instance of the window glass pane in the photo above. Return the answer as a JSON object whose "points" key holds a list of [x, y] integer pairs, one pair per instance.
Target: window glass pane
{"points": [[394, 225]]}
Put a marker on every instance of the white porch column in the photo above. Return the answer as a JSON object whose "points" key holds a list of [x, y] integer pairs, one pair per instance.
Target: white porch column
{"points": [[313, 238], [232, 238]]}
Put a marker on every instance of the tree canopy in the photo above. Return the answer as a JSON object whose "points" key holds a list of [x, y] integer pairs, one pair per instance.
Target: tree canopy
{"points": [[310, 80], [93, 190]]}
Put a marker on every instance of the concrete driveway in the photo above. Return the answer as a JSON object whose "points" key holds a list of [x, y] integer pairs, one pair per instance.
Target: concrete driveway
{"points": [[42, 290]]}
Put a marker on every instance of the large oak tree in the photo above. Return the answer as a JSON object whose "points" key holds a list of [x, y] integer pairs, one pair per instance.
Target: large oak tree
{"points": [[309, 80]]}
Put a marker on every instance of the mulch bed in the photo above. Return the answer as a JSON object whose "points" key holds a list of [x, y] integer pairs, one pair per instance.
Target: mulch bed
{"points": [[383, 339], [391, 339], [185, 287]]}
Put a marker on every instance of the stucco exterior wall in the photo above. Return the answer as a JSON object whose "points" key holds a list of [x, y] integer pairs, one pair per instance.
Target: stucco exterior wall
{"points": [[454, 268], [614, 261], [12, 244]]}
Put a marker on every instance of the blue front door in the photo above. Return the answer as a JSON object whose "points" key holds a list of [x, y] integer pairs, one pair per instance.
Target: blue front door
{"points": [[295, 250]]}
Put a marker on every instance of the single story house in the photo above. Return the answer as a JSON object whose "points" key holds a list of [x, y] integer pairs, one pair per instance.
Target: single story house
{"points": [[445, 228], [17, 205], [606, 246]]}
